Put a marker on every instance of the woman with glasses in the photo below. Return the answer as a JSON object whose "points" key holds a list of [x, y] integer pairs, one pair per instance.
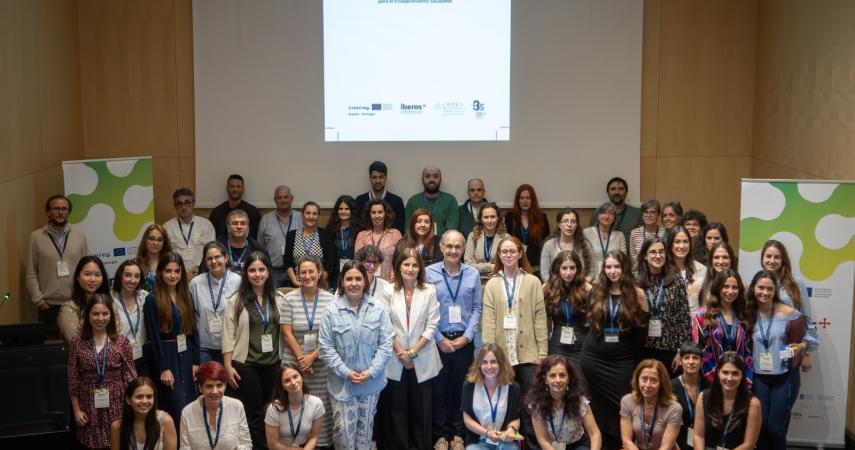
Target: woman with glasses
{"points": [[566, 237], [211, 290], [372, 259], [154, 242], [650, 211]]}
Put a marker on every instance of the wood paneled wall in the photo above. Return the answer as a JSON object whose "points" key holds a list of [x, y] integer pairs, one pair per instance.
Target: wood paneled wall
{"points": [[39, 127], [804, 121]]}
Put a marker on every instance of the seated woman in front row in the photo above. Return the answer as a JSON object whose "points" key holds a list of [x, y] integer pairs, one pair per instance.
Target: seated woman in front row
{"points": [[491, 402], [650, 416], [728, 414]]}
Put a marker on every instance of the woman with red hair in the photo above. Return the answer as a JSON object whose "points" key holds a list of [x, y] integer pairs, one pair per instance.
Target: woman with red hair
{"points": [[214, 421], [528, 223]]}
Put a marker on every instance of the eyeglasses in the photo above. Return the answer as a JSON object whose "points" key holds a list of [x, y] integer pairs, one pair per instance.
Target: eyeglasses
{"points": [[651, 213], [239, 223], [154, 239], [656, 252], [509, 252], [184, 203], [369, 262], [213, 258], [567, 222]]}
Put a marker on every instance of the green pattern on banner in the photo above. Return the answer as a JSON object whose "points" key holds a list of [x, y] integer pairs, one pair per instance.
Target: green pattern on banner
{"points": [[110, 191], [801, 217]]}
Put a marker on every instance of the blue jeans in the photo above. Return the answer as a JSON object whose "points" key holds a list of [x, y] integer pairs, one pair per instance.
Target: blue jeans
{"points": [[513, 445], [280, 278], [210, 354], [773, 391]]}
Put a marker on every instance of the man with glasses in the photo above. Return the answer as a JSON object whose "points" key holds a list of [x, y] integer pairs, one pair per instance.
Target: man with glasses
{"points": [[54, 252], [235, 201], [187, 232], [274, 229], [237, 241], [458, 290]]}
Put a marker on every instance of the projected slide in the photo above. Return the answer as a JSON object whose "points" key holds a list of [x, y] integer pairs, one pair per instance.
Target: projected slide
{"points": [[417, 70]]}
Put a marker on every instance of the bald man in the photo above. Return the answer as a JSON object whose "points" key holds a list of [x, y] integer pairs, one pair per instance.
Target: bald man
{"points": [[442, 205], [275, 225]]}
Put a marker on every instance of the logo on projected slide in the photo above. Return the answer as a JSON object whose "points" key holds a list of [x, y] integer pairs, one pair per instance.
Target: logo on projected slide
{"points": [[360, 110], [479, 107], [450, 108], [412, 108], [381, 106]]}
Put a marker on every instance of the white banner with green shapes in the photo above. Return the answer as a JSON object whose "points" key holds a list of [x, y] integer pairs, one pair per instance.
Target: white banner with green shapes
{"points": [[113, 203], [815, 220]]}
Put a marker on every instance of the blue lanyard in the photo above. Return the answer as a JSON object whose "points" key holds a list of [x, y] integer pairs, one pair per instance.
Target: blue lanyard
{"points": [[432, 211], [656, 301], [307, 243], [299, 421], [448, 285], [279, 222], [488, 247], [614, 307], [64, 243], [374, 287], [524, 234], [560, 424], [568, 309], [265, 318], [309, 320], [239, 261], [212, 442], [215, 302], [648, 433], [345, 239], [134, 441], [723, 439], [689, 403], [765, 337], [600, 238], [133, 328], [189, 231], [729, 330], [510, 293], [494, 409], [100, 369]]}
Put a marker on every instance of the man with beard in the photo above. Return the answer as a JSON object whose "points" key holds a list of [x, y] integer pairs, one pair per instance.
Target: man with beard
{"points": [[54, 252], [442, 205], [628, 217], [234, 190], [377, 173], [275, 226], [470, 210]]}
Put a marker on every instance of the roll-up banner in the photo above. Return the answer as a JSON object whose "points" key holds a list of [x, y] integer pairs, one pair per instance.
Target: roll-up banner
{"points": [[113, 203], [815, 220]]}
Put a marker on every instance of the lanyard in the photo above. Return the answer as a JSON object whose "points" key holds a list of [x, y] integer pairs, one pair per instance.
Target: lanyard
{"points": [[568, 309], [524, 234], [448, 285], [600, 238], [307, 243], [299, 420], [134, 441], [133, 328], [560, 424], [432, 211], [265, 318], [309, 320], [656, 301], [189, 231], [614, 307], [374, 287], [765, 337], [488, 247], [494, 410], [283, 230], [215, 302], [648, 433], [100, 369], [64, 243], [688, 398], [723, 439], [239, 261], [644, 233], [345, 240], [379, 241], [212, 442], [510, 293], [408, 306], [729, 330]]}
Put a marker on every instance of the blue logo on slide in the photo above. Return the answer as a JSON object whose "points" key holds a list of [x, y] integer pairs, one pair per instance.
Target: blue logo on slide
{"points": [[477, 105]]}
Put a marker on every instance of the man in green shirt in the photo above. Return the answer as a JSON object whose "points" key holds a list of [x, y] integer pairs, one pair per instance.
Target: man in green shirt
{"points": [[442, 205]]}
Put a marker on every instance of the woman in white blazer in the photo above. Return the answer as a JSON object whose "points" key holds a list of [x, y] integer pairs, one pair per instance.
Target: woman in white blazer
{"points": [[405, 403]]}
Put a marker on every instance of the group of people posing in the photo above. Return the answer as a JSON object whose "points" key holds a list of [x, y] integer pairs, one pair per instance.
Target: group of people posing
{"points": [[473, 328]]}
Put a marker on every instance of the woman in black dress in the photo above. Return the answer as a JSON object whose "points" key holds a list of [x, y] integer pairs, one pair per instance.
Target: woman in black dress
{"points": [[618, 327], [566, 297]]}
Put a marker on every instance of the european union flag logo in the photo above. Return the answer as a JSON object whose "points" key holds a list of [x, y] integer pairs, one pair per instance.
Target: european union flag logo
{"points": [[376, 107], [119, 251]]}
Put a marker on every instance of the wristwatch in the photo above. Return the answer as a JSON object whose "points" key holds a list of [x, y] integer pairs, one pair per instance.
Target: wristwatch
{"points": [[412, 353]]}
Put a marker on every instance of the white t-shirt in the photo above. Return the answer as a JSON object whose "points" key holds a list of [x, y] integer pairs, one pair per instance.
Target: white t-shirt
{"points": [[313, 409]]}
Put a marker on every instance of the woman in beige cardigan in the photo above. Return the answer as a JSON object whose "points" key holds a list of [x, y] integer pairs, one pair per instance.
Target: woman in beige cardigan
{"points": [[514, 317], [251, 341]]}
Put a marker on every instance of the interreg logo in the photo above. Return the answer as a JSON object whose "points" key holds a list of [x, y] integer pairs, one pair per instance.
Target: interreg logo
{"points": [[381, 106]]}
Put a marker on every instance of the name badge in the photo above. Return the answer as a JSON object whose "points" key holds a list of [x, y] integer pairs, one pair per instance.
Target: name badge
{"points": [[266, 343], [181, 340], [787, 353], [136, 347], [455, 314], [282, 249], [766, 364], [215, 323], [690, 438], [510, 322], [611, 335], [310, 343], [62, 269], [102, 398], [567, 335], [654, 328], [559, 445], [342, 262], [719, 447]]}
